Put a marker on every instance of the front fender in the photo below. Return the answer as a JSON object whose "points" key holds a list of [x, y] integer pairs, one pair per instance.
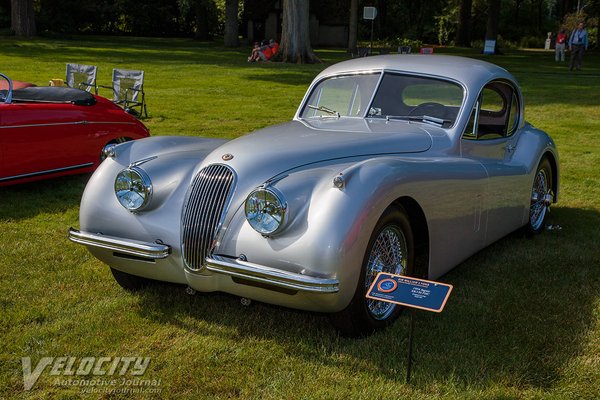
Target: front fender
{"points": [[328, 229], [169, 162]]}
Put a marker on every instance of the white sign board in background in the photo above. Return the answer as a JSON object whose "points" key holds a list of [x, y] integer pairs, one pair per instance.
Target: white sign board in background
{"points": [[369, 13], [489, 47]]}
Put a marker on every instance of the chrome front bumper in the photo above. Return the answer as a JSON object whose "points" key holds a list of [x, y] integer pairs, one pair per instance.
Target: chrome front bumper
{"points": [[151, 251], [217, 264], [260, 273]]}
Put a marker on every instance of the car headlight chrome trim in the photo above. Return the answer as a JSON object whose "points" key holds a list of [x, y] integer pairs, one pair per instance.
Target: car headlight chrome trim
{"points": [[133, 188], [266, 210]]}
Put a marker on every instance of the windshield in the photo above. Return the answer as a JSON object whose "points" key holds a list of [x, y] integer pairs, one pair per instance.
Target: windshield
{"points": [[398, 97], [341, 96]]}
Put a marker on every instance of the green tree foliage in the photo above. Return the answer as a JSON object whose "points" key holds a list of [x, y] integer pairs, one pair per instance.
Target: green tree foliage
{"points": [[431, 21]]}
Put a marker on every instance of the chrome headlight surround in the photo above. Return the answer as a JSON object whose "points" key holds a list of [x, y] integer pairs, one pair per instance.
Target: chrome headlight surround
{"points": [[133, 188], [266, 210]]}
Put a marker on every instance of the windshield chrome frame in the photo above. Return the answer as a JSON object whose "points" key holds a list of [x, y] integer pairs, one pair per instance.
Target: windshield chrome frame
{"points": [[312, 88]]}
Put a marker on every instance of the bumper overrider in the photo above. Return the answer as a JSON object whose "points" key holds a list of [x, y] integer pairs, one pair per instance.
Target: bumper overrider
{"points": [[217, 264]]}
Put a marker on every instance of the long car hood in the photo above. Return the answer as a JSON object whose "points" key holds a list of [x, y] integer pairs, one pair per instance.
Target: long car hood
{"points": [[269, 152]]}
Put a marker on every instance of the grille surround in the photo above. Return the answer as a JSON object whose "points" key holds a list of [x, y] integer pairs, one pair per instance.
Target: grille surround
{"points": [[205, 207]]}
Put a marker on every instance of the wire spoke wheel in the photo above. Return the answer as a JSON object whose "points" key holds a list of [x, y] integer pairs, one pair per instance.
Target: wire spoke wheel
{"points": [[541, 194], [390, 249], [388, 254], [538, 208]]}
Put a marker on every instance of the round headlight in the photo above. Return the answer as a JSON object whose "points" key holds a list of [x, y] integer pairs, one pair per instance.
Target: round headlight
{"points": [[265, 210], [133, 188]]}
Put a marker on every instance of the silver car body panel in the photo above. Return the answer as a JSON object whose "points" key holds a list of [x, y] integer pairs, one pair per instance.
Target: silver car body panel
{"points": [[471, 193]]}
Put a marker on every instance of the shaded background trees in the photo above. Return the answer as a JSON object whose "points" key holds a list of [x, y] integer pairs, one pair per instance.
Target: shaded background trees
{"points": [[295, 36], [461, 22], [22, 17]]}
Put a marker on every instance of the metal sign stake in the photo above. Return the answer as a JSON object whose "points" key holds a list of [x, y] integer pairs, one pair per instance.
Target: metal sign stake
{"points": [[414, 293], [371, 48], [409, 359]]}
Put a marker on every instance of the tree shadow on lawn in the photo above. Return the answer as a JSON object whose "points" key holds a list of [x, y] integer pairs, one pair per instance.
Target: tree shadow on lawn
{"points": [[301, 78], [26, 200], [144, 56], [518, 316]]}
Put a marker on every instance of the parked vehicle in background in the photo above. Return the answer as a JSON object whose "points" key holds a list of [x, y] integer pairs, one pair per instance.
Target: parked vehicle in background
{"points": [[406, 164], [46, 132]]}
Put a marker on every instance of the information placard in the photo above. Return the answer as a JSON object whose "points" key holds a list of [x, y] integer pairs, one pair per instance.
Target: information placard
{"points": [[410, 292], [489, 47]]}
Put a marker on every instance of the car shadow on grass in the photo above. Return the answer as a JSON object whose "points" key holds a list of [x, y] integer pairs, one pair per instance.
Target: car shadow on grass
{"points": [[518, 316], [27, 200]]}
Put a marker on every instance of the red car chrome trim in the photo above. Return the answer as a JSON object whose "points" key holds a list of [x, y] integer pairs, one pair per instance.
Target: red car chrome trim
{"points": [[68, 123], [51, 171]]}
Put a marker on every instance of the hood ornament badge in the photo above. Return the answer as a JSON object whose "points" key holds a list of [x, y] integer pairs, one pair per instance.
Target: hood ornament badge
{"points": [[227, 157]]}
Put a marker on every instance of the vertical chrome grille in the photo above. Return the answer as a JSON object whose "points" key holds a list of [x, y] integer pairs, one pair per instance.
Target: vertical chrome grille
{"points": [[204, 211]]}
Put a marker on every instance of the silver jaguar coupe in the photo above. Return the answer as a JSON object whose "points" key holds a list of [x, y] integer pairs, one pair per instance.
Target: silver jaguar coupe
{"points": [[407, 164]]}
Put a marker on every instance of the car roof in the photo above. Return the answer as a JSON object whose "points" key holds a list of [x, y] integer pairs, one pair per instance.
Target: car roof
{"points": [[468, 71]]}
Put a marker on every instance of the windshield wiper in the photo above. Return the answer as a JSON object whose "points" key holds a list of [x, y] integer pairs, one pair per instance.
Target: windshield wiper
{"points": [[422, 118], [324, 109]]}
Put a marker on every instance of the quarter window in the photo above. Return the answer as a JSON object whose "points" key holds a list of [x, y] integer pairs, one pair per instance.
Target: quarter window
{"points": [[496, 113]]}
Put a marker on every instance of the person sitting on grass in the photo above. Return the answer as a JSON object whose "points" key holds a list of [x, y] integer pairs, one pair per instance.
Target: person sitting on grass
{"points": [[274, 46], [264, 52], [254, 55]]}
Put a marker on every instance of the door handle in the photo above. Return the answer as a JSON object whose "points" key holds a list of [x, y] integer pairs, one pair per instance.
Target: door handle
{"points": [[510, 148]]}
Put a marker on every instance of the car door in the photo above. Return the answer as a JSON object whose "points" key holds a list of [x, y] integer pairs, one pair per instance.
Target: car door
{"points": [[41, 138], [491, 137]]}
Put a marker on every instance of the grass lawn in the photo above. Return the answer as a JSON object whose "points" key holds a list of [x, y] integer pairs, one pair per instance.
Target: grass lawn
{"points": [[523, 320]]}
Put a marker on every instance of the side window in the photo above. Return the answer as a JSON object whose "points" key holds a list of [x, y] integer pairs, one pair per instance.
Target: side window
{"points": [[496, 113], [513, 116]]}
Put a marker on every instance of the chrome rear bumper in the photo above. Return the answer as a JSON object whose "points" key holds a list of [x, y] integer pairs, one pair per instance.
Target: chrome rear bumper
{"points": [[151, 251], [271, 276]]}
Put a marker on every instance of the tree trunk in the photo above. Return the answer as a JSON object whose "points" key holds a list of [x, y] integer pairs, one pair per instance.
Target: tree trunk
{"points": [[463, 31], [353, 26], [295, 38], [22, 17], [491, 31], [203, 19], [231, 38], [517, 12]]}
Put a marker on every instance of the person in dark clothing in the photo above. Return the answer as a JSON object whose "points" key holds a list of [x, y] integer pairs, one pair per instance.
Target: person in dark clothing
{"points": [[578, 44]]}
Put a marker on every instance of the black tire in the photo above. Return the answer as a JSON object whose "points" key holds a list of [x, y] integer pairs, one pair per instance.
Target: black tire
{"points": [[129, 282], [540, 205], [363, 316]]}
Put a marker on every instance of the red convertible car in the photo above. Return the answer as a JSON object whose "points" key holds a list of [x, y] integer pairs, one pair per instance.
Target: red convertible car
{"points": [[46, 132]]}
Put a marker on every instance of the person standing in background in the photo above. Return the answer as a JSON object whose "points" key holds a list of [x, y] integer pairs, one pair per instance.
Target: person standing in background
{"points": [[578, 44], [559, 47]]}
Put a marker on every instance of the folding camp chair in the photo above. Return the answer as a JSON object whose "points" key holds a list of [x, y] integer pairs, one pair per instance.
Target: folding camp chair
{"points": [[82, 77], [128, 90]]}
